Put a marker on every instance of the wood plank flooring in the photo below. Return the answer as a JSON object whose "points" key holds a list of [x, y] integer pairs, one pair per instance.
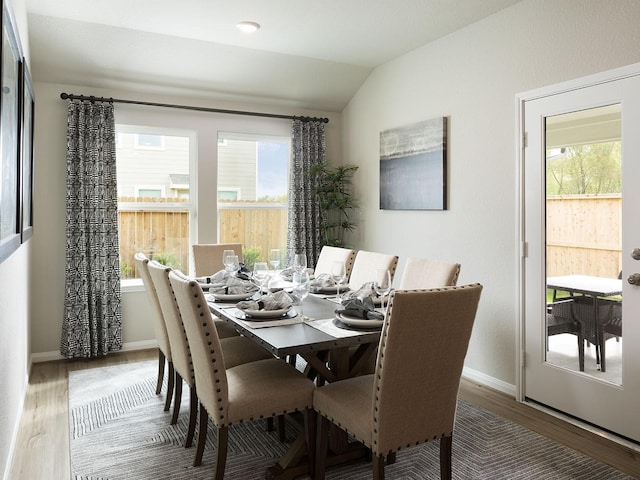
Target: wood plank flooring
{"points": [[42, 449]]}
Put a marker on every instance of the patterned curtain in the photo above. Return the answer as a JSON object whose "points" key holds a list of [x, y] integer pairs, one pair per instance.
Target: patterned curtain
{"points": [[92, 313], [303, 233]]}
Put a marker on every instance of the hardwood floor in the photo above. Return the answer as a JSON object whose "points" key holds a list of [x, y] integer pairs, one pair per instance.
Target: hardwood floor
{"points": [[42, 449]]}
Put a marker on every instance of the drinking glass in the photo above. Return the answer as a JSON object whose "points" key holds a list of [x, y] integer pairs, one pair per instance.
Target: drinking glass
{"points": [[225, 254], [232, 263], [300, 288], [339, 274], [382, 285], [274, 258], [260, 273], [300, 262]]}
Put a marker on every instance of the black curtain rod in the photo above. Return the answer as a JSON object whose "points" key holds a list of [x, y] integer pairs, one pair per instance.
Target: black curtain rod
{"points": [[92, 99]]}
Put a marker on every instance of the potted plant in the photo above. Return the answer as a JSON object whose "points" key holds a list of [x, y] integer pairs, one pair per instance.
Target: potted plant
{"points": [[332, 187]]}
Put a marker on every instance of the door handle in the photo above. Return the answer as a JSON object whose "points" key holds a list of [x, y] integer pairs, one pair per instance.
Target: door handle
{"points": [[634, 279]]}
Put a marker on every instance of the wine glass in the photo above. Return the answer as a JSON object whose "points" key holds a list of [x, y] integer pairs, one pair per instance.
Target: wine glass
{"points": [[339, 274], [225, 254], [382, 284], [232, 263], [300, 288], [300, 262], [274, 258], [260, 273]]}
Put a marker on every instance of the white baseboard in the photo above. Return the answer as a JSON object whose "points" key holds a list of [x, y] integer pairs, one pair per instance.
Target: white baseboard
{"points": [[126, 347], [16, 428], [492, 382]]}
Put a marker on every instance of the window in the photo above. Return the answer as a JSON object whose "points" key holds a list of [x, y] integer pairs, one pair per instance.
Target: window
{"points": [[258, 168], [154, 206]]}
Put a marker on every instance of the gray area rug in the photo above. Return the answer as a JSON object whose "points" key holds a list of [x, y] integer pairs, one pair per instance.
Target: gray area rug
{"points": [[118, 430]]}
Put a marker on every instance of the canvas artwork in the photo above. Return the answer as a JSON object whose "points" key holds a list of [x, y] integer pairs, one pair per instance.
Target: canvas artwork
{"points": [[413, 166]]}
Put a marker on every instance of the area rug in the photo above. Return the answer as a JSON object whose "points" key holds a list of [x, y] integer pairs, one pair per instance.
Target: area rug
{"points": [[118, 430]]}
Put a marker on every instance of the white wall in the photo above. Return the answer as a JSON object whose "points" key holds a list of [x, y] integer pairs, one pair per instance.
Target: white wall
{"points": [[50, 177], [472, 77]]}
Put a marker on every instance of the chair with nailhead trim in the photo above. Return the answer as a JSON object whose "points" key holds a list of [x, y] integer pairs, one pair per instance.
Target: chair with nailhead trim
{"points": [[412, 396], [247, 392], [236, 349], [421, 273]]}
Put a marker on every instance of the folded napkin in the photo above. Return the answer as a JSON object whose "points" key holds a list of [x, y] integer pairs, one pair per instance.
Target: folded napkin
{"points": [[324, 280], [273, 301], [288, 272], [366, 290], [223, 282], [360, 308]]}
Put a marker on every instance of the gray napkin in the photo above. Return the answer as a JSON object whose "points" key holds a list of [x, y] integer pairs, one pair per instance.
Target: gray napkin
{"points": [[360, 308], [223, 282], [324, 280], [273, 301], [287, 273]]}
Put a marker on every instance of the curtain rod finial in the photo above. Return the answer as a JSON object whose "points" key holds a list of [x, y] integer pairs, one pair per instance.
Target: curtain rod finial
{"points": [[64, 96]]}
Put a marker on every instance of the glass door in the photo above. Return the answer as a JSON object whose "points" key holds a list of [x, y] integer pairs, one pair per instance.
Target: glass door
{"points": [[580, 185]]}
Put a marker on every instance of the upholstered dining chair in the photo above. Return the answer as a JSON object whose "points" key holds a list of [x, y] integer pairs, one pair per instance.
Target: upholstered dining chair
{"points": [[207, 258], [236, 349], [159, 327], [425, 273], [231, 395], [366, 266], [412, 396], [329, 254]]}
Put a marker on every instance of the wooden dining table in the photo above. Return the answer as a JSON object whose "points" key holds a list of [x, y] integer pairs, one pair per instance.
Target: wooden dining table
{"points": [[329, 357]]}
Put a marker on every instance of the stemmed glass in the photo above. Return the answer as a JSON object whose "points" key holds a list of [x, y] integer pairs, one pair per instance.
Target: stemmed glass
{"points": [[300, 288], [382, 285], [225, 256], [260, 273], [339, 274], [231, 263], [274, 258], [300, 262]]}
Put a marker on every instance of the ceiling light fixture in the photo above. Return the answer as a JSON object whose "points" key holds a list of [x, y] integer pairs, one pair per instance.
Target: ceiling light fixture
{"points": [[248, 27]]}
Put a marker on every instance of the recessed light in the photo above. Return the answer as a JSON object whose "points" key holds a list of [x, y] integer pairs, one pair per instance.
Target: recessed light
{"points": [[248, 27]]}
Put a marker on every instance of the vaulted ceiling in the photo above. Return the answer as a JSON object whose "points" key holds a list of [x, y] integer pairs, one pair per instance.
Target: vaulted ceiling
{"points": [[306, 54]]}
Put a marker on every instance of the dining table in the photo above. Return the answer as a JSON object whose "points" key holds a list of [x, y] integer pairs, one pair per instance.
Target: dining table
{"points": [[331, 351], [594, 288]]}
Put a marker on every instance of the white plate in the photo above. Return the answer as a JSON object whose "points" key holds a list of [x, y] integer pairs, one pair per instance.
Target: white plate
{"points": [[232, 297], [358, 322], [265, 313]]}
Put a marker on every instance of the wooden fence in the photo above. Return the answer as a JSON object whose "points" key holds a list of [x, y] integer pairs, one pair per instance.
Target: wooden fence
{"points": [[164, 235], [584, 235]]}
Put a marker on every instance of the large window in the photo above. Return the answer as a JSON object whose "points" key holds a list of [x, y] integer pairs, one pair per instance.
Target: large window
{"points": [[154, 206], [253, 176]]}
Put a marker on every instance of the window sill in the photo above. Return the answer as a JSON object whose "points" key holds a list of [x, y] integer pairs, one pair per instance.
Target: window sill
{"points": [[131, 285]]}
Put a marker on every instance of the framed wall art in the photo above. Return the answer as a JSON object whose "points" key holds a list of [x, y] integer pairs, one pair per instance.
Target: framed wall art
{"points": [[413, 166], [10, 228]]}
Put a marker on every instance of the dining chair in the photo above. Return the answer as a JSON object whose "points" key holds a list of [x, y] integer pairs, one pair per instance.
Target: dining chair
{"points": [[160, 328], [420, 273], [207, 258], [329, 254], [231, 395], [366, 266], [561, 318], [236, 349], [412, 396], [609, 326]]}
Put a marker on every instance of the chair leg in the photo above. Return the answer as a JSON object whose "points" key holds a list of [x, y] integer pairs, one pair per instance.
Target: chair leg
{"points": [[280, 428], [445, 457], [580, 349], [378, 467], [322, 443], [391, 458], [202, 436], [310, 426], [161, 360], [170, 383], [177, 398], [193, 414], [603, 366], [221, 453]]}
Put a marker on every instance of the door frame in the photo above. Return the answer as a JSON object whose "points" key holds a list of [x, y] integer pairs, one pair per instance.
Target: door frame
{"points": [[521, 246]]}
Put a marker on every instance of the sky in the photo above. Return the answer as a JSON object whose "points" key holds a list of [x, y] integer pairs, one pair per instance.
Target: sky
{"points": [[273, 158]]}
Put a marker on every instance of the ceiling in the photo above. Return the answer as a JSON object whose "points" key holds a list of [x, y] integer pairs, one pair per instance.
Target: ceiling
{"points": [[306, 54]]}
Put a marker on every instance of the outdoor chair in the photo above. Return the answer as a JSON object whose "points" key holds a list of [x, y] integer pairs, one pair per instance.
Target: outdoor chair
{"points": [[412, 396], [561, 318], [609, 327]]}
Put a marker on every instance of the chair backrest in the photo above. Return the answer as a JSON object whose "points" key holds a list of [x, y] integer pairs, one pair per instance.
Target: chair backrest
{"points": [[420, 273], [204, 344], [207, 258], [366, 266], [159, 325], [419, 364], [177, 338], [329, 254]]}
